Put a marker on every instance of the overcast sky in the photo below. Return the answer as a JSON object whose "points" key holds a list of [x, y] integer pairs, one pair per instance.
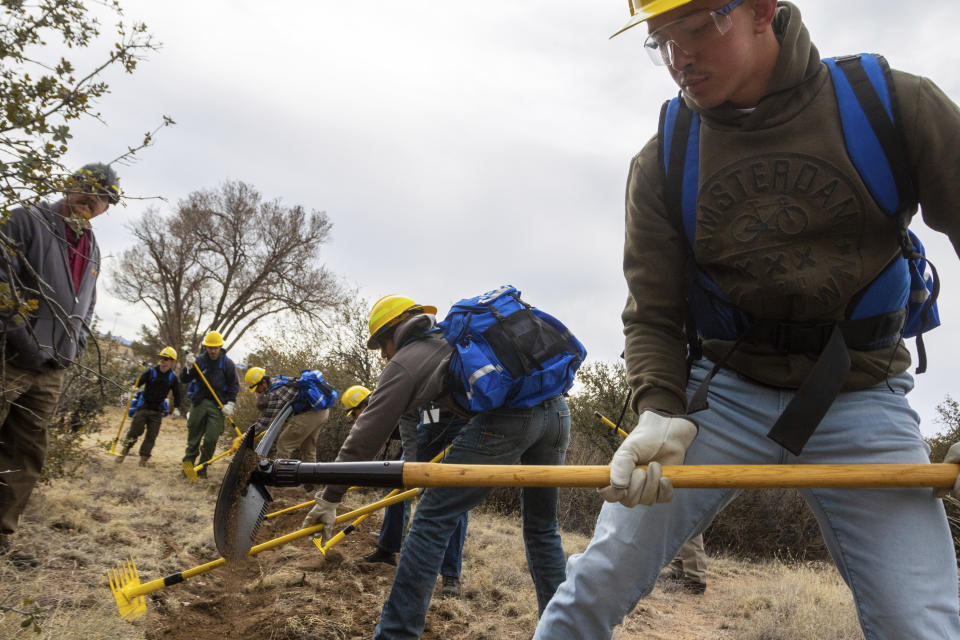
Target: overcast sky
{"points": [[455, 146]]}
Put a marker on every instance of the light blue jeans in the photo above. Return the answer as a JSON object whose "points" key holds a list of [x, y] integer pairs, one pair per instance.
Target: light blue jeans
{"points": [[892, 546], [504, 436]]}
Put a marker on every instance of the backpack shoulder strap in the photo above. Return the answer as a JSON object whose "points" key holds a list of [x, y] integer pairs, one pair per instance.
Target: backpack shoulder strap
{"points": [[872, 131], [679, 156]]}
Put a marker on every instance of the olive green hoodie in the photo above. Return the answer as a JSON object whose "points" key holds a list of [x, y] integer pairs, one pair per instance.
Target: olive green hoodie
{"points": [[787, 154]]}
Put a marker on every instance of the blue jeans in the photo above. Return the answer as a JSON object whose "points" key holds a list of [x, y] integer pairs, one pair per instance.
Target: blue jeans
{"points": [[504, 436], [892, 546], [432, 437]]}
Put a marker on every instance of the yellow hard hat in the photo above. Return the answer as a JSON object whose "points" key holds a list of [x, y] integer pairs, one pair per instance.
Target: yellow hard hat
{"points": [[643, 10], [213, 339], [388, 311], [353, 397], [168, 352], [253, 376]]}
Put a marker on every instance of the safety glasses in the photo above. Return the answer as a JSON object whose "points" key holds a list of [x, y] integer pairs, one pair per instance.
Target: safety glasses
{"points": [[689, 33]]}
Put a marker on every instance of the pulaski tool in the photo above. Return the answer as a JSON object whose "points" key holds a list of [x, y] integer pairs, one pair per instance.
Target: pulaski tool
{"points": [[243, 498]]}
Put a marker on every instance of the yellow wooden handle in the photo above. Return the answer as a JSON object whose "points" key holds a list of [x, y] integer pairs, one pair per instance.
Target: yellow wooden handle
{"points": [[760, 476]]}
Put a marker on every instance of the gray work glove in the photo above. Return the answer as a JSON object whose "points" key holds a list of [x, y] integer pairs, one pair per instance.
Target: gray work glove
{"points": [[657, 439], [189, 359], [953, 455], [175, 413], [324, 513], [228, 409]]}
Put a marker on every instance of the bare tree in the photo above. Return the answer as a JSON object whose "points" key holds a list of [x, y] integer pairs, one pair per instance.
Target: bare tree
{"points": [[227, 259], [163, 271], [345, 342]]}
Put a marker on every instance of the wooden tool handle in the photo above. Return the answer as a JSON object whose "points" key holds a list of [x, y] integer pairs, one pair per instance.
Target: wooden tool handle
{"points": [[771, 476]]}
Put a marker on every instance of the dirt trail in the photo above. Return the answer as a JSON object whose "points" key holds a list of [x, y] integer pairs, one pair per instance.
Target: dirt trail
{"points": [[81, 527]]}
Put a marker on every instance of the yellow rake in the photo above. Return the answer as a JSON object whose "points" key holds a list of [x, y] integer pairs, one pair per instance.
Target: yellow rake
{"points": [[124, 580], [129, 592]]}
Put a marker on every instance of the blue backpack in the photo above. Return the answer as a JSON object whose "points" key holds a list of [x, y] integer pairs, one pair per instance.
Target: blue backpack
{"points": [[508, 353], [898, 303], [138, 399], [315, 393]]}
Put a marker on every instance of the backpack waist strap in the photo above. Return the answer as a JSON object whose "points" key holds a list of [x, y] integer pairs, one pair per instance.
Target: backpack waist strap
{"points": [[862, 334]]}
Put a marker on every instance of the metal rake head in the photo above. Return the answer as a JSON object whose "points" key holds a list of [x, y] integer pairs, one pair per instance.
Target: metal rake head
{"points": [[123, 579]]}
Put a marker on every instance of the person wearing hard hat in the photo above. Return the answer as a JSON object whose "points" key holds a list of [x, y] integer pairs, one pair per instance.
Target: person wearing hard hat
{"points": [[301, 429], [157, 382], [416, 374], [205, 422], [421, 442], [52, 262], [355, 400], [767, 260]]}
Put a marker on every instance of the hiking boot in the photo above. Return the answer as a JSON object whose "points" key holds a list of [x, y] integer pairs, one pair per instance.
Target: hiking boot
{"points": [[123, 453], [381, 555], [693, 587], [202, 473], [673, 582], [144, 461], [450, 587]]}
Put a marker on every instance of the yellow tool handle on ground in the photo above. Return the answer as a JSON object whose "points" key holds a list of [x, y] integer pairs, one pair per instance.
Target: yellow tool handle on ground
{"points": [[215, 397], [123, 419], [720, 476]]}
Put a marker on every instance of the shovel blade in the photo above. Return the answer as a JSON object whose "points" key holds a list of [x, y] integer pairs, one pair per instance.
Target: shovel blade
{"points": [[123, 578], [189, 471], [241, 504]]}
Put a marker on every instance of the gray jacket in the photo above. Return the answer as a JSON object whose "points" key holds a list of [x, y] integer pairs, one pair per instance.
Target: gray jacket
{"points": [[414, 377], [59, 331]]}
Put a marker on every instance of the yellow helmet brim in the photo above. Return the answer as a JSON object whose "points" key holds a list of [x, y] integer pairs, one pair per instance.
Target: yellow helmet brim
{"points": [[650, 10], [424, 308]]}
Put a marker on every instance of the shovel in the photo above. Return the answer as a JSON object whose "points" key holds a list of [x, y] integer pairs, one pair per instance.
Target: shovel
{"points": [[243, 499]]}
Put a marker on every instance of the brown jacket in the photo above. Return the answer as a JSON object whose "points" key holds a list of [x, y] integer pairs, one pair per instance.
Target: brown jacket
{"points": [[414, 377], [789, 151]]}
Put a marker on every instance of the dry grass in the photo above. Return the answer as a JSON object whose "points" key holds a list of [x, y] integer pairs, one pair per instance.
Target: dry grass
{"points": [[79, 529]]}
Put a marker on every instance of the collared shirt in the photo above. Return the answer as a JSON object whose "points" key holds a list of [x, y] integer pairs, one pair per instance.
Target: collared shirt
{"points": [[270, 402]]}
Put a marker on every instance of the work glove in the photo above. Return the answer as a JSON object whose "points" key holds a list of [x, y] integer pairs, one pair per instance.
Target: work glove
{"points": [[953, 455], [126, 397], [175, 413], [657, 439], [324, 513], [228, 409], [189, 359]]}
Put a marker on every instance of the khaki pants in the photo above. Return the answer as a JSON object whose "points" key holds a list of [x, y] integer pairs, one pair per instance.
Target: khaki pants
{"points": [[691, 561], [301, 432], [28, 400]]}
